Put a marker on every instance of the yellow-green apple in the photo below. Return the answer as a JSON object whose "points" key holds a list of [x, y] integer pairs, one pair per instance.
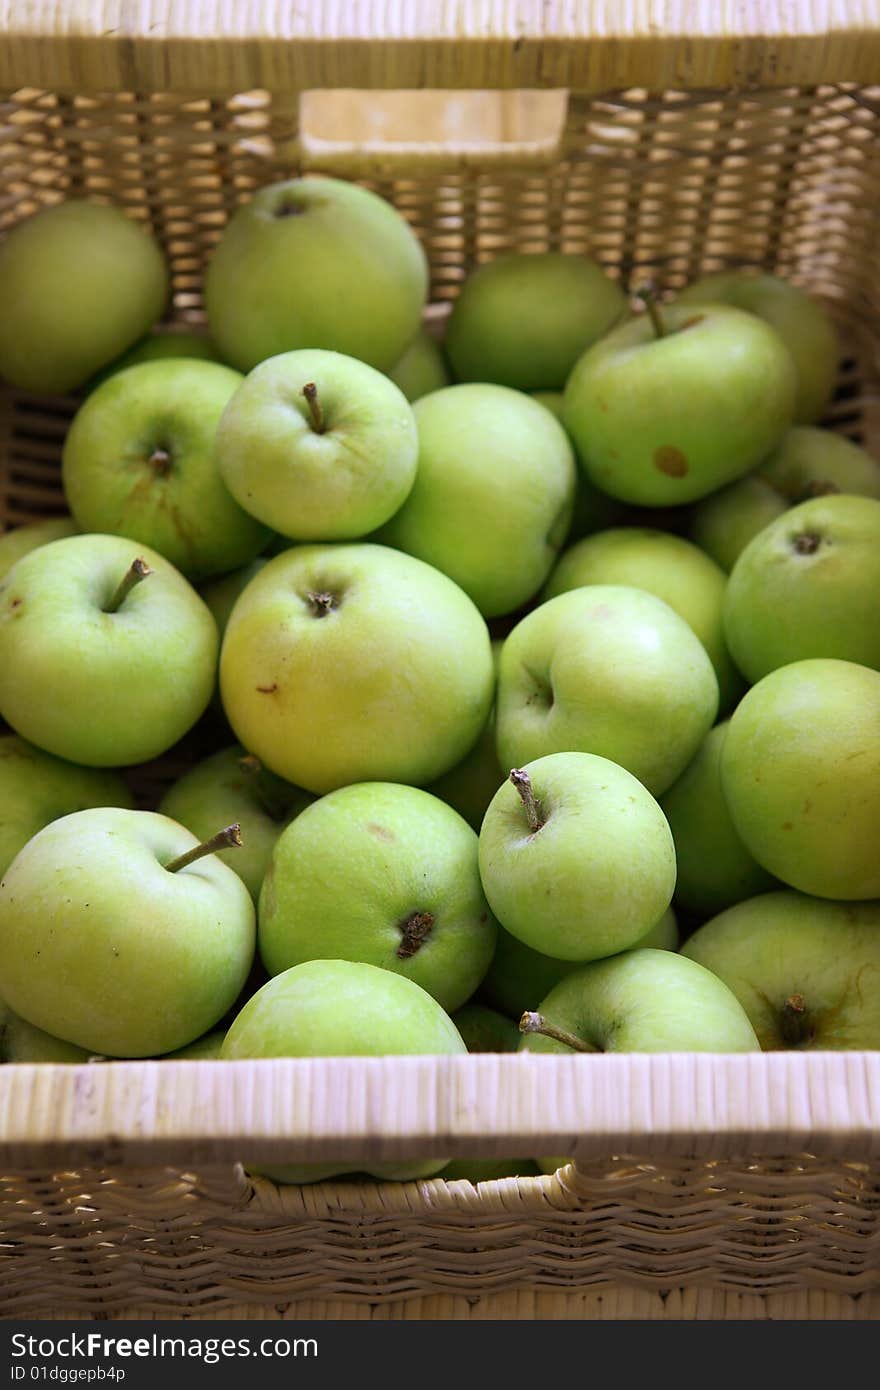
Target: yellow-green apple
{"points": [[138, 462], [800, 769], [79, 282], [107, 655], [664, 416], [715, 870], [316, 263], [232, 786], [205, 1049], [576, 857], [593, 510], [801, 322], [493, 495], [21, 540], [341, 1008], [807, 463], [222, 594], [36, 788], [382, 873], [120, 933], [421, 368], [668, 566], [520, 976], [611, 670], [318, 445], [355, 663], [640, 1001], [524, 320], [807, 586], [806, 971]]}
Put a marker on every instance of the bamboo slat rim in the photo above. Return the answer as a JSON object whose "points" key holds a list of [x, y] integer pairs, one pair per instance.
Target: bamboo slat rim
{"points": [[316, 1109], [590, 45]]}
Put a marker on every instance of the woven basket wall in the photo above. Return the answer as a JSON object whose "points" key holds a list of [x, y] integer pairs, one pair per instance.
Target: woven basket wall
{"points": [[665, 159]]}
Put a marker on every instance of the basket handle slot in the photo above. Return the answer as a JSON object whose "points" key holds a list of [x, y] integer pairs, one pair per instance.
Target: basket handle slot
{"points": [[354, 133]]}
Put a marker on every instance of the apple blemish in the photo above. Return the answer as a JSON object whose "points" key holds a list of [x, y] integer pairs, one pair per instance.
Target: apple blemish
{"points": [[670, 461], [414, 932]]}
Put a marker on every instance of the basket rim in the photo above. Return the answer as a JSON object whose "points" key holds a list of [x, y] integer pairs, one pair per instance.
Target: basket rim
{"points": [[315, 1109], [180, 45]]}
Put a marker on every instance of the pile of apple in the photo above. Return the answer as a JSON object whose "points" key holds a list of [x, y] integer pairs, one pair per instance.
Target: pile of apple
{"points": [[508, 681]]}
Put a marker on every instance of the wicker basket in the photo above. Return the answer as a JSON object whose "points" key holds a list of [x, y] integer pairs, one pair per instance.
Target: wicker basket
{"points": [[704, 1186]]}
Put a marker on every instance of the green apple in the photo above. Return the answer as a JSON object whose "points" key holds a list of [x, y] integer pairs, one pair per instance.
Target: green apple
{"points": [[228, 786], [519, 976], [318, 446], [808, 463], [386, 874], [807, 972], [470, 785], [667, 566], [138, 462], [166, 343], [576, 857], [802, 324], [355, 663], [21, 540], [662, 417], [524, 320], [807, 586], [593, 510], [79, 283], [493, 495], [221, 595], [422, 367], [36, 788], [640, 1001], [799, 769], [20, 1041], [119, 933], [316, 263], [715, 870], [611, 670], [486, 1030], [475, 1170], [107, 655], [341, 1008], [205, 1049]]}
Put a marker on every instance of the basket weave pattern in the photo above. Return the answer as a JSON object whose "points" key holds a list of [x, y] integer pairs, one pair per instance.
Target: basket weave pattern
{"points": [[656, 185]]}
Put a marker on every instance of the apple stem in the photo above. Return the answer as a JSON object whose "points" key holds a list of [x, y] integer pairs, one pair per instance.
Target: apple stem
{"points": [[534, 810], [646, 296], [138, 570], [537, 1023], [160, 460], [795, 1021], [414, 932], [311, 394], [224, 839], [269, 790]]}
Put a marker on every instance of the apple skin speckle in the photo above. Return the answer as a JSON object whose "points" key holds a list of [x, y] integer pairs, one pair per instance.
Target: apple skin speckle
{"points": [[670, 461]]}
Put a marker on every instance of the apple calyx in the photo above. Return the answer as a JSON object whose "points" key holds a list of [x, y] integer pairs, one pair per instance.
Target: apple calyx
{"points": [[795, 1026], [807, 543], [320, 602], [537, 1023], [534, 810], [414, 932], [267, 788], [226, 838], [646, 297], [318, 423], [137, 570], [160, 461]]}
